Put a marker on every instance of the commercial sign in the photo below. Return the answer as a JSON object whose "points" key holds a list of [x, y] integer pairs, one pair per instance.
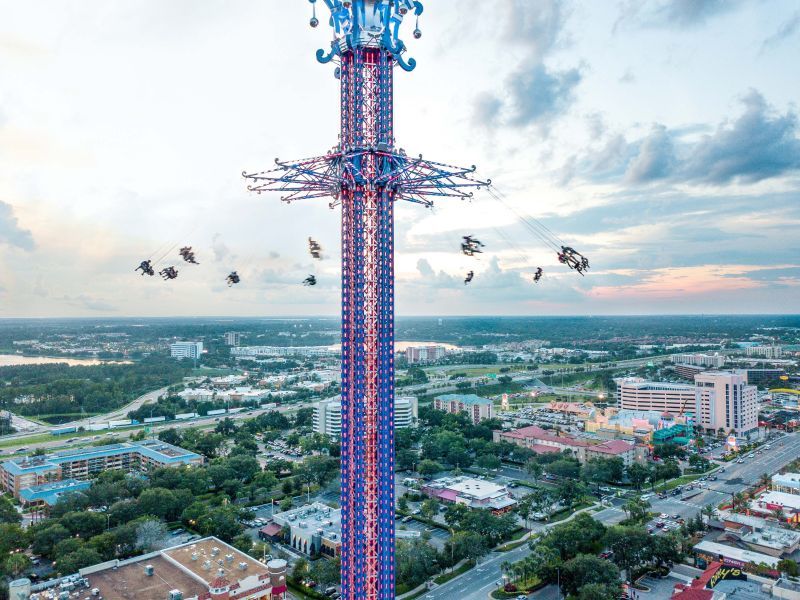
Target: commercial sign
{"points": [[725, 573]]}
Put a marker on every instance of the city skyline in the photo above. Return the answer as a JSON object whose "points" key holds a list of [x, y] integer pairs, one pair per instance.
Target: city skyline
{"points": [[123, 114]]}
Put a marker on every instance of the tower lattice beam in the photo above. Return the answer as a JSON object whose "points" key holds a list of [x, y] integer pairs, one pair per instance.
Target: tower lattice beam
{"points": [[366, 175]]}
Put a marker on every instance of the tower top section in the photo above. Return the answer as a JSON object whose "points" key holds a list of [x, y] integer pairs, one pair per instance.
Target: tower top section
{"points": [[368, 23]]}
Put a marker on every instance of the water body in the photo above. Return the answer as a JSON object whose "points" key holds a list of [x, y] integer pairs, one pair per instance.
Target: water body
{"points": [[12, 360]]}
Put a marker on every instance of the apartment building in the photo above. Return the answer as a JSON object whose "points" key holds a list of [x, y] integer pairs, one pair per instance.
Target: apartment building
{"points": [[765, 351], [191, 350], [724, 401], [424, 354], [328, 415], [543, 441], [478, 409], [81, 464], [715, 361]]}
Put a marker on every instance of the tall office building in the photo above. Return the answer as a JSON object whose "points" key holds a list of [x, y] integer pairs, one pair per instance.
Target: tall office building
{"points": [[724, 401], [186, 350], [233, 338]]}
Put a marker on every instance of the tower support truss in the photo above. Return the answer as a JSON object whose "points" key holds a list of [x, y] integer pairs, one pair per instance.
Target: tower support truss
{"points": [[365, 175]]}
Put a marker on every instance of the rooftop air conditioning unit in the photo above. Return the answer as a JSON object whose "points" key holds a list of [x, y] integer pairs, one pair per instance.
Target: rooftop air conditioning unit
{"points": [[175, 595], [207, 565], [214, 551], [194, 556], [229, 558], [148, 570], [243, 566]]}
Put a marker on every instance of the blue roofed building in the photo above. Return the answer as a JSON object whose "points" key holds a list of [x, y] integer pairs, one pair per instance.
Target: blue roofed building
{"points": [[48, 494], [81, 464]]}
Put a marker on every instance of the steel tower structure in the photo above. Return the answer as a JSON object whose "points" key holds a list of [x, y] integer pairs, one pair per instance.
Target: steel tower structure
{"points": [[366, 175]]}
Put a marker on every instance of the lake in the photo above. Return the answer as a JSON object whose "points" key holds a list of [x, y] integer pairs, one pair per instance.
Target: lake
{"points": [[12, 360]]}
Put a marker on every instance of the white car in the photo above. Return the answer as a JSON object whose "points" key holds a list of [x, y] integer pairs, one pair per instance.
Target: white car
{"points": [[663, 516]]}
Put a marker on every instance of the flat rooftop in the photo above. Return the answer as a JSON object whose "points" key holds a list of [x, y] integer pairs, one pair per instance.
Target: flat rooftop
{"points": [[468, 399], [787, 479], [745, 556], [311, 517], [476, 488], [209, 558], [49, 493], [154, 449], [129, 582], [791, 501]]}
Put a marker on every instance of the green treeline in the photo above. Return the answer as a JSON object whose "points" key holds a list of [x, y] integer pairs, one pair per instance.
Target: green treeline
{"points": [[54, 389]]}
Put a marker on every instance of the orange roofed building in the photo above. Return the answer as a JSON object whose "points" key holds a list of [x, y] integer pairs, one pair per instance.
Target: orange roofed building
{"points": [[208, 569]]}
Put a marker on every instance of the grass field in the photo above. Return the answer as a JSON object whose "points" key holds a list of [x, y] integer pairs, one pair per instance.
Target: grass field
{"points": [[673, 483]]}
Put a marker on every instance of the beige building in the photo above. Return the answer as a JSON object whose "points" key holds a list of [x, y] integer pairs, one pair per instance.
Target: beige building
{"points": [[699, 360], [478, 409], [724, 401], [765, 351], [207, 569], [17, 474], [635, 393]]}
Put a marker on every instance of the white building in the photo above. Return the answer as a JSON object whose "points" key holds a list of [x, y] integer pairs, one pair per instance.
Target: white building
{"points": [[788, 483], [699, 360], [724, 401], [635, 393], [475, 493], [314, 529], [406, 411], [765, 351], [191, 350], [233, 338], [252, 351], [328, 414], [424, 354]]}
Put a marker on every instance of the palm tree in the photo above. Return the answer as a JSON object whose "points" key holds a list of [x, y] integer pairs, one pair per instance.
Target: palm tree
{"points": [[709, 511], [764, 480], [505, 567]]}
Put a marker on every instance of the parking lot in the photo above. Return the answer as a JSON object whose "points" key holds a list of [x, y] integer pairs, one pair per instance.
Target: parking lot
{"points": [[438, 537]]}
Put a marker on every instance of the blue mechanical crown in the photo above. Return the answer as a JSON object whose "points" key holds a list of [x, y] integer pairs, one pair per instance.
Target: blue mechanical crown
{"points": [[375, 23]]}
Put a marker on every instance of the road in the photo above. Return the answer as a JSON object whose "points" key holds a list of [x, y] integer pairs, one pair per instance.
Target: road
{"points": [[526, 376], [736, 478], [202, 422], [477, 583]]}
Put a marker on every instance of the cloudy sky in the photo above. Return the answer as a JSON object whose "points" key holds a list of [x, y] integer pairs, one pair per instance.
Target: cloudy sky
{"points": [[660, 138]]}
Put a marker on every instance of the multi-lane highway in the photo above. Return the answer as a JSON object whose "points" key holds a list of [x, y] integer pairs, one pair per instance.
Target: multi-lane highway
{"points": [[201, 422], [477, 583]]}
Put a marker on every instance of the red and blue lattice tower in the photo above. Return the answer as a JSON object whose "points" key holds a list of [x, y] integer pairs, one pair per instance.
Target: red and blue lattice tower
{"points": [[365, 174]]}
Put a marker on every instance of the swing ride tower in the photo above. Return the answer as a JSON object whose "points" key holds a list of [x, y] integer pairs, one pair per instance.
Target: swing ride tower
{"points": [[365, 174]]}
